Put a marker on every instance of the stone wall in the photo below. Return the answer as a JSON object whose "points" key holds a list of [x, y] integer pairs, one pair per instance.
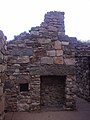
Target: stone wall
{"points": [[83, 70], [3, 65], [45, 50]]}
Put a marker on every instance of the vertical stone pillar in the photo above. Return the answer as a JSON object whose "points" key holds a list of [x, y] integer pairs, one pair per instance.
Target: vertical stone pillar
{"points": [[35, 93], [2, 72], [70, 93]]}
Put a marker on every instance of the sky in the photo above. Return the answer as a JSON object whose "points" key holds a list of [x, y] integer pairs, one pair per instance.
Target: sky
{"points": [[17, 16]]}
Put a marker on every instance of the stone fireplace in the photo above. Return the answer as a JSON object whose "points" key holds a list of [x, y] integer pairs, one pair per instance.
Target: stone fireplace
{"points": [[41, 68], [53, 91]]}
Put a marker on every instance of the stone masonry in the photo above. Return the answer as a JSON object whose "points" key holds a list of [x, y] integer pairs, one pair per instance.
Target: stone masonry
{"points": [[44, 51], [83, 70], [3, 66], [44, 68]]}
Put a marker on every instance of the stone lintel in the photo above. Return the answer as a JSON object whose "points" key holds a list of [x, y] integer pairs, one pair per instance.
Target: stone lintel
{"points": [[52, 70]]}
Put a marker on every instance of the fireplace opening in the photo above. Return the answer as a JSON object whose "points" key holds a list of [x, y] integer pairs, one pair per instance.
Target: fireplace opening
{"points": [[53, 91]]}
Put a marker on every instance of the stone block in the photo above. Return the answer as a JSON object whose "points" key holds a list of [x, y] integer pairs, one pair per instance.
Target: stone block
{"points": [[61, 33], [59, 52], [3, 68], [46, 60], [21, 45], [65, 43], [1, 90], [34, 33], [44, 41], [23, 59], [51, 53], [69, 61], [1, 55], [23, 107], [58, 60], [1, 104], [52, 28], [22, 52], [57, 45]]}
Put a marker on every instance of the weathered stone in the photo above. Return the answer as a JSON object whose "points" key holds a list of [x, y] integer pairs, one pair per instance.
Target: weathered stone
{"points": [[23, 59], [58, 60], [61, 33], [1, 34], [22, 52], [23, 107], [1, 55], [16, 70], [51, 28], [21, 45], [52, 70], [69, 61], [33, 55], [1, 90], [46, 60], [34, 33], [44, 41], [51, 53], [17, 65], [57, 45], [3, 68], [65, 43], [1, 104], [59, 52]]}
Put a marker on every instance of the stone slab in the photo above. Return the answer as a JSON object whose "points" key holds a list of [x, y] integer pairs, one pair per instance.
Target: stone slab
{"points": [[52, 70], [22, 52]]}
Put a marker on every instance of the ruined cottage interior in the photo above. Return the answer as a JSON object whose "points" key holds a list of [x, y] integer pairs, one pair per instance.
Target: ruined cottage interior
{"points": [[44, 68]]}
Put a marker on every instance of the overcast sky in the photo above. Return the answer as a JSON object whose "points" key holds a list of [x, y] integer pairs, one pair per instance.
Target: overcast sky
{"points": [[17, 16]]}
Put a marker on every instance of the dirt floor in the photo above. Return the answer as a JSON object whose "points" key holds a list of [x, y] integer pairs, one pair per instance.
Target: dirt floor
{"points": [[82, 113]]}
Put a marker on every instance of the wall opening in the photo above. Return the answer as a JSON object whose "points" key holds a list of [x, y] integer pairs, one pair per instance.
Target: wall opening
{"points": [[53, 91], [23, 87]]}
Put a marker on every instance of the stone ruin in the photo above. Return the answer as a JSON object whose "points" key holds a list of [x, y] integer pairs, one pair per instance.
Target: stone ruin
{"points": [[43, 69], [3, 68]]}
